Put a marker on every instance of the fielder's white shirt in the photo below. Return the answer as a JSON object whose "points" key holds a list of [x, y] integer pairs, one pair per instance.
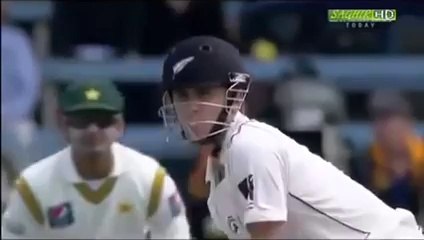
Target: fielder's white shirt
{"points": [[263, 175], [52, 201]]}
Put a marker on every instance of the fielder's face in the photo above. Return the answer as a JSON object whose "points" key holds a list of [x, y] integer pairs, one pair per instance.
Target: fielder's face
{"points": [[197, 109], [93, 131]]}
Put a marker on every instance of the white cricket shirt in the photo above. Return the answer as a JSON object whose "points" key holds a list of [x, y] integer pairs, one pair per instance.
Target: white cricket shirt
{"points": [[263, 175], [52, 201]]}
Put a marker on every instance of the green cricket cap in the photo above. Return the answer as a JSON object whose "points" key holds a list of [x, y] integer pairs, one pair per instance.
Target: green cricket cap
{"points": [[91, 95]]}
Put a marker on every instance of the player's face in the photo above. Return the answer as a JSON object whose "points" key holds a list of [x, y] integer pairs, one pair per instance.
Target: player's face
{"points": [[93, 131], [198, 109]]}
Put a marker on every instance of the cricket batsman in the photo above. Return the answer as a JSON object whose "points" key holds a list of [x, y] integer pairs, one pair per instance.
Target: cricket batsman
{"points": [[263, 184], [95, 188]]}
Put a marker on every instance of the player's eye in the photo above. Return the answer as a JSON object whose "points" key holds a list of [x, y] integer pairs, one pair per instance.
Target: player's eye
{"points": [[104, 122], [84, 122], [181, 95], [203, 92]]}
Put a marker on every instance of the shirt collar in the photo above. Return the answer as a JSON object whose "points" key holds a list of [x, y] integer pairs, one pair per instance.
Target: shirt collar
{"points": [[69, 171], [235, 127]]}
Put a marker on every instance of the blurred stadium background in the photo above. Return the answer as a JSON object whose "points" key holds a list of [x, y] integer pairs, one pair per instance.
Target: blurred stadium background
{"points": [[312, 79]]}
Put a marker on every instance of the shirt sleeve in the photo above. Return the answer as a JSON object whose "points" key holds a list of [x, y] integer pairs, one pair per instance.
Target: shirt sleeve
{"points": [[259, 176], [17, 221], [169, 220]]}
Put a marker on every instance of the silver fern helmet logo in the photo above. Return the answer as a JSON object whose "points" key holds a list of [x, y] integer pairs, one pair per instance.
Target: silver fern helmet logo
{"points": [[233, 224], [180, 65]]}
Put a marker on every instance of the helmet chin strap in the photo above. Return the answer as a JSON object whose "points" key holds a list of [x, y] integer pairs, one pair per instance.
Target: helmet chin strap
{"points": [[215, 139]]}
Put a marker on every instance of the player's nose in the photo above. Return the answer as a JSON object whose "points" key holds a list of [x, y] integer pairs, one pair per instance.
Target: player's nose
{"points": [[92, 127], [194, 107]]}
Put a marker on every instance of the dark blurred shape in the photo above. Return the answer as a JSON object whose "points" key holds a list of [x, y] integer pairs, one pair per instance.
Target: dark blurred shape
{"points": [[407, 35], [393, 165], [7, 167], [302, 68], [337, 39], [293, 26], [167, 22], [8, 175], [113, 24], [261, 106], [20, 91]]}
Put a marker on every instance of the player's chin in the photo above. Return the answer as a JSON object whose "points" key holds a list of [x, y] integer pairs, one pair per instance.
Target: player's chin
{"points": [[195, 139], [198, 142], [198, 134]]}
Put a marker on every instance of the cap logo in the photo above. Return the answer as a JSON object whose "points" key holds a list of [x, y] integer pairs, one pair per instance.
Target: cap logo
{"points": [[238, 77], [92, 94], [180, 65]]}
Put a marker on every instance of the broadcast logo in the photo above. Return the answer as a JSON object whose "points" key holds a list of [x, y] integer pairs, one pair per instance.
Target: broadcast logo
{"points": [[361, 18]]}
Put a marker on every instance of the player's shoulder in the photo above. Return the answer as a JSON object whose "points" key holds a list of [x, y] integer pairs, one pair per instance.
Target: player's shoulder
{"points": [[252, 135], [256, 142], [42, 170]]}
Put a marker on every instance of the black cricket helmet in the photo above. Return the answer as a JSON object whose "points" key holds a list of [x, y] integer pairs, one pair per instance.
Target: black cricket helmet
{"points": [[201, 62]]}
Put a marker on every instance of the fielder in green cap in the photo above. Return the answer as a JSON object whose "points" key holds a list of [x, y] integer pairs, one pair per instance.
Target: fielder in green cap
{"points": [[95, 187]]}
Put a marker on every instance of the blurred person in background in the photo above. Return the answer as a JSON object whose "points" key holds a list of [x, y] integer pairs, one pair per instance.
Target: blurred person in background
{"points": [[307, 104], [393, 166], [101, 188], [168, 21], [20, 90]]}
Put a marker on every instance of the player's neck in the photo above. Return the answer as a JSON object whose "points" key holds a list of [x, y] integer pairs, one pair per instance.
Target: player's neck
{"points": [[93, 165], [216, 151]]}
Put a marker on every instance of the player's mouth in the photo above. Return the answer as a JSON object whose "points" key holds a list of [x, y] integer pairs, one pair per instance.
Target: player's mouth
{"points": [[199, 128], [92, 140]]}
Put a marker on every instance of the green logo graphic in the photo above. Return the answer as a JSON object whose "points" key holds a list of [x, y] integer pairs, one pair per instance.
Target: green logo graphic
{"points": [[361, 15]]}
